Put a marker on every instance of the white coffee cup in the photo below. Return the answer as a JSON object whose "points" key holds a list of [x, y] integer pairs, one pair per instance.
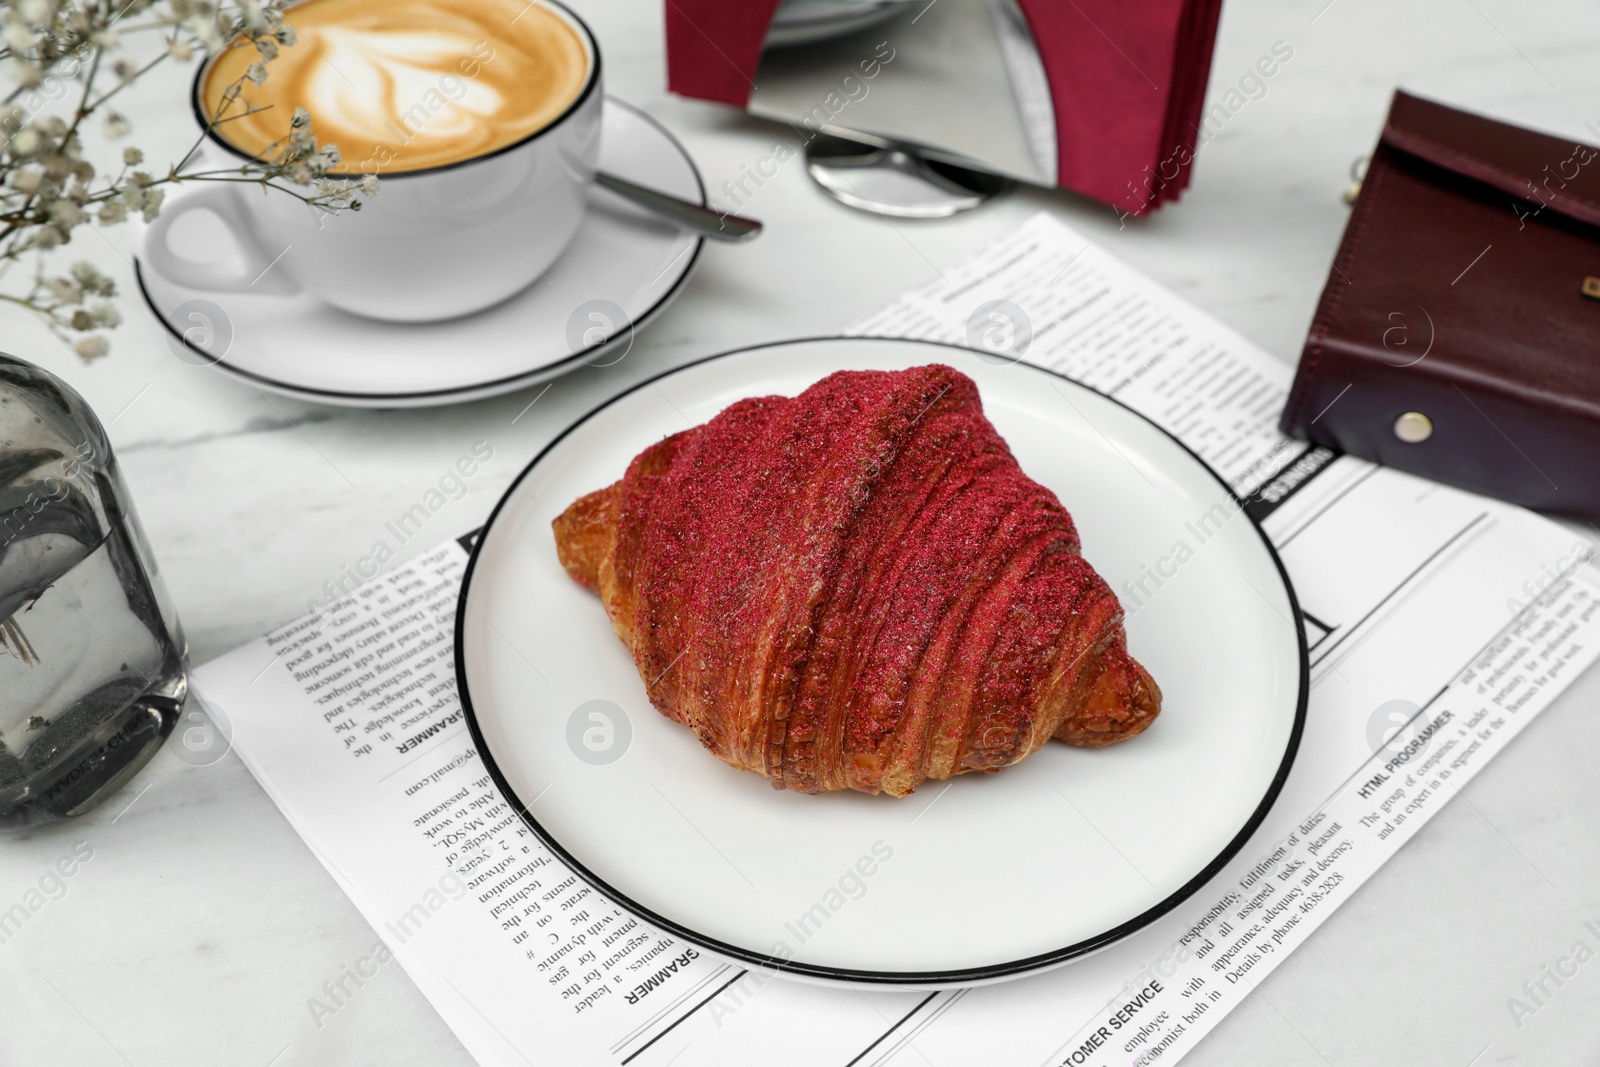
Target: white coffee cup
{"points": [[431, 244]]}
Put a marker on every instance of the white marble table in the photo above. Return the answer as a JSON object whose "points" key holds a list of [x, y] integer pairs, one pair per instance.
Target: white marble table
{"points": [[202, 924]]}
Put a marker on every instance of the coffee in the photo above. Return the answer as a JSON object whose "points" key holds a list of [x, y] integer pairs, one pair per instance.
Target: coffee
{"points": [[404, 85]]}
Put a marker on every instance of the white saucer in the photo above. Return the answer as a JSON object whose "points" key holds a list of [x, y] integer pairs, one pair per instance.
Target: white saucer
{"points": [[803, 22], [623, 267], [984, 878]]}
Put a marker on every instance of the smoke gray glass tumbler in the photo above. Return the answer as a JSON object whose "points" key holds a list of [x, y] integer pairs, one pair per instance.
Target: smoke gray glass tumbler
{"points": [[92, 661]]}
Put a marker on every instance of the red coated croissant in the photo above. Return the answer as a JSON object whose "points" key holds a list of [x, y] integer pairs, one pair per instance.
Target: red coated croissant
{"points": [[858, 588]]}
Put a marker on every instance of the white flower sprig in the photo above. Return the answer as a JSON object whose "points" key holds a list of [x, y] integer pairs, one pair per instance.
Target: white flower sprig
{"points": [[66, 53]]}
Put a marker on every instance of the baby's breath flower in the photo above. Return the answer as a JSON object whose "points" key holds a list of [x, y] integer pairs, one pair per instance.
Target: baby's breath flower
{"points": [[117, 126], [65, 213], [18, 36], [300, 119], [26, 142], [82, 320], [205, 29], [369, 184], [113, 212], [179, 50], [25, 182], [150, 206], [92, 347], [106, 315], [95, 283], [257, 73], [132, 157], [65, 290], [37, 12]]}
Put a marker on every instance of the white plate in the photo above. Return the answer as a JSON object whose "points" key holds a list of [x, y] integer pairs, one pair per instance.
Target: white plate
{"points": [[986, 877], [802, 22], [622, 258]]}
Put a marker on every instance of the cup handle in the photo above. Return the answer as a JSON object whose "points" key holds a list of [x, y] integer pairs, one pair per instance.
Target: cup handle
{"points": [[254, 275]]}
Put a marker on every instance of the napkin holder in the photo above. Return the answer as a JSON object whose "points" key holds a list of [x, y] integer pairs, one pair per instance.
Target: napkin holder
{"points": [[1458, 336], [1099, 96]]}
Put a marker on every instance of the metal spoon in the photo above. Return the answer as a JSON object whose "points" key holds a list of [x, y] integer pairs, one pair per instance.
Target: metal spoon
{"points": [[693, 217]]}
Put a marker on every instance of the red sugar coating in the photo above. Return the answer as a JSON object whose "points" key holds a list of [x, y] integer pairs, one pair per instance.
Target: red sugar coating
{"points": [[859, 588]]}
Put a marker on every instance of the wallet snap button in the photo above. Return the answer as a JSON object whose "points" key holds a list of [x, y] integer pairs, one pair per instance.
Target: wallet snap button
{"points": [[1413, 427]]}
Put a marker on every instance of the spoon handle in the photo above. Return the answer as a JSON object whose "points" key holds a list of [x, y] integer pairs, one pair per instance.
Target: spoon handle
{"points": [[693, 217]]}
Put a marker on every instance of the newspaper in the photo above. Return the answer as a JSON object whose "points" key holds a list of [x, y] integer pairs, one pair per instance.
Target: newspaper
{"points": [[1439, 624]]}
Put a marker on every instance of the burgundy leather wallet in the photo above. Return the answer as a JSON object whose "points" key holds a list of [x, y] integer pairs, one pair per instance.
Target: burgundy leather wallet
{"points": [[1458, 336]]}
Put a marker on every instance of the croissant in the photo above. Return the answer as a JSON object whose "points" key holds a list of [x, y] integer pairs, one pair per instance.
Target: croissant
{"points": [[857, 588]]}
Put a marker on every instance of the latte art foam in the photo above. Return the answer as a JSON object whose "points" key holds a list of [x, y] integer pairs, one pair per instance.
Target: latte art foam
{"points": [[404, 85]]}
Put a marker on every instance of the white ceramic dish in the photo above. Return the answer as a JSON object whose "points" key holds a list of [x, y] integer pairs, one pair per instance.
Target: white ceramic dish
{"points": [[803, 22], [983, 878], [623, 267]]}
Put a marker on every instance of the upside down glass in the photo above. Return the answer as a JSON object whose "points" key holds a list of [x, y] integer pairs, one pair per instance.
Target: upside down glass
{"points": [[92, 661]]}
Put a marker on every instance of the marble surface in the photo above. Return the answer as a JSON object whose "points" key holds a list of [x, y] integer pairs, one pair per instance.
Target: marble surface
{"points": [[201, 925]]}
